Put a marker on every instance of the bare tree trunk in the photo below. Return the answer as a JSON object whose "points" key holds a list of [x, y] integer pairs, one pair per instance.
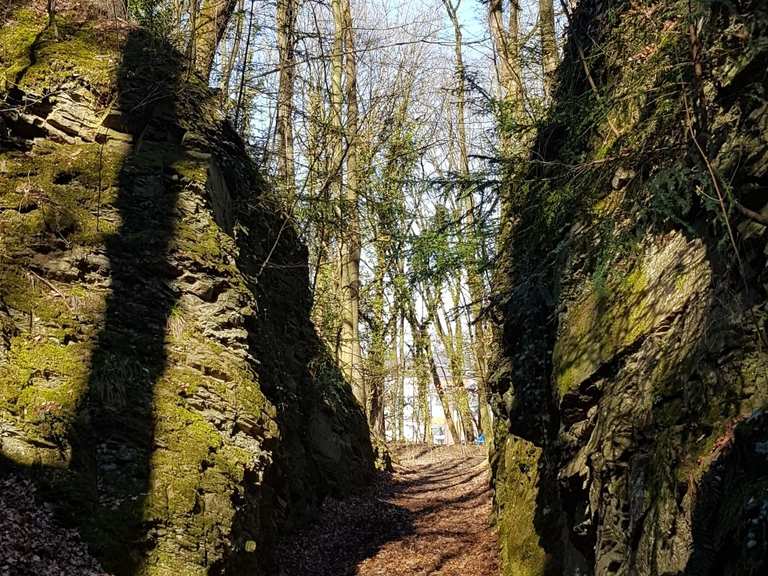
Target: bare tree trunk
{"points": [[336, 167], [506, 44], [240, 123], [443, 396], [51, 7], [400, 298], [460, 86], [511, 111], [226, 76], [457, 385], [454, 347], [508, 51], [394, 395], [457, 364], [477, 294], [377, 353], [423, 347], [208, 30], [480, 352], [316, 142], [337, 99], [549, 54], [424, 403], [465, 188], [400, 375], [286, 24], [350, 355], [422, 366]]}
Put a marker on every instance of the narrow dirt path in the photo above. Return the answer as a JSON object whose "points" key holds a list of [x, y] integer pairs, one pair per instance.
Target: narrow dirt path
{"points": [[430, 517]]}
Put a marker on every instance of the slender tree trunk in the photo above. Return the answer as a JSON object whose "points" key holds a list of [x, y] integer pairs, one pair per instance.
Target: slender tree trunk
{"points": [[400, 375], [51, 6], [486, 422], [443, 396], [336, 157], [517, 86], [509, 50], [316, 139], [403, 302], [335, 174], [377, 353], [239, 112], [394, 391], [460, 88], [480, 354], [337, 99], [457, 390], [457, 366], [316, 188], [506, 44], [423, 348], [286, 24], [231, 60], [453, 343], [549, 56], [426, 408], [477, 294], [501, 44], [456, 356]]}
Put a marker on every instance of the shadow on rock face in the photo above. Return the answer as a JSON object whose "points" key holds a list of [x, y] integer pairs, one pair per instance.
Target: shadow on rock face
{"points": [[172, 399], [115, 427]]}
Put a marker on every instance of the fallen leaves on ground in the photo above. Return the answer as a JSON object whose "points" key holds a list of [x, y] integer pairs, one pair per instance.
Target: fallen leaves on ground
{"points": [[430, 517], [32, 543]]}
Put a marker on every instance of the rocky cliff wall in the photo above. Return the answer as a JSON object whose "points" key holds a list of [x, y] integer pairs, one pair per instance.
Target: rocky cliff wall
{"points": [[631, 385], [159, 375]]}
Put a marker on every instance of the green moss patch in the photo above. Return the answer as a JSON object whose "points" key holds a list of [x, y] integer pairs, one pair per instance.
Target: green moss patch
{"points": [[516, 496], [42, 383], [31, 56], [17, 38], [600, 325]]}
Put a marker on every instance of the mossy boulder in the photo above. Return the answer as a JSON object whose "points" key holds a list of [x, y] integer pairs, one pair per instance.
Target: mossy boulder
{"points": [[517, 474]]}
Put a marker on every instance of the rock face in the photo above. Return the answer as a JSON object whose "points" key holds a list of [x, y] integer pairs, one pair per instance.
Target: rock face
{"points": [[158, 368], [631, 386]]}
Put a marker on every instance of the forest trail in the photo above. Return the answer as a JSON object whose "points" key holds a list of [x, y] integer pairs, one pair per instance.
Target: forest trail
{"points": [[431, 517]]}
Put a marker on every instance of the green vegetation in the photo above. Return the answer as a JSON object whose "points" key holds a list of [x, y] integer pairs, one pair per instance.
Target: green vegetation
{"points": [[32, 59]]}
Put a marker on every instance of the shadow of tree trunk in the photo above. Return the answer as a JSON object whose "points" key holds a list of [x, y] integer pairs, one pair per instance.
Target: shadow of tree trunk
{"points": [[114, 429]]}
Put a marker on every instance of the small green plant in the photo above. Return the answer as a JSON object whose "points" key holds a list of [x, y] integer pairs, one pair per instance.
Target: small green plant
{"points": [[670, 194], [113, 377], [157, 16]]}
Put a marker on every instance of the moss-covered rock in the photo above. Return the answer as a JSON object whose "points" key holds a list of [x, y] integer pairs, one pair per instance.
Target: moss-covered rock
{"points": [[517, 476], [162, 380], [633, 292], [603, 324]]}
